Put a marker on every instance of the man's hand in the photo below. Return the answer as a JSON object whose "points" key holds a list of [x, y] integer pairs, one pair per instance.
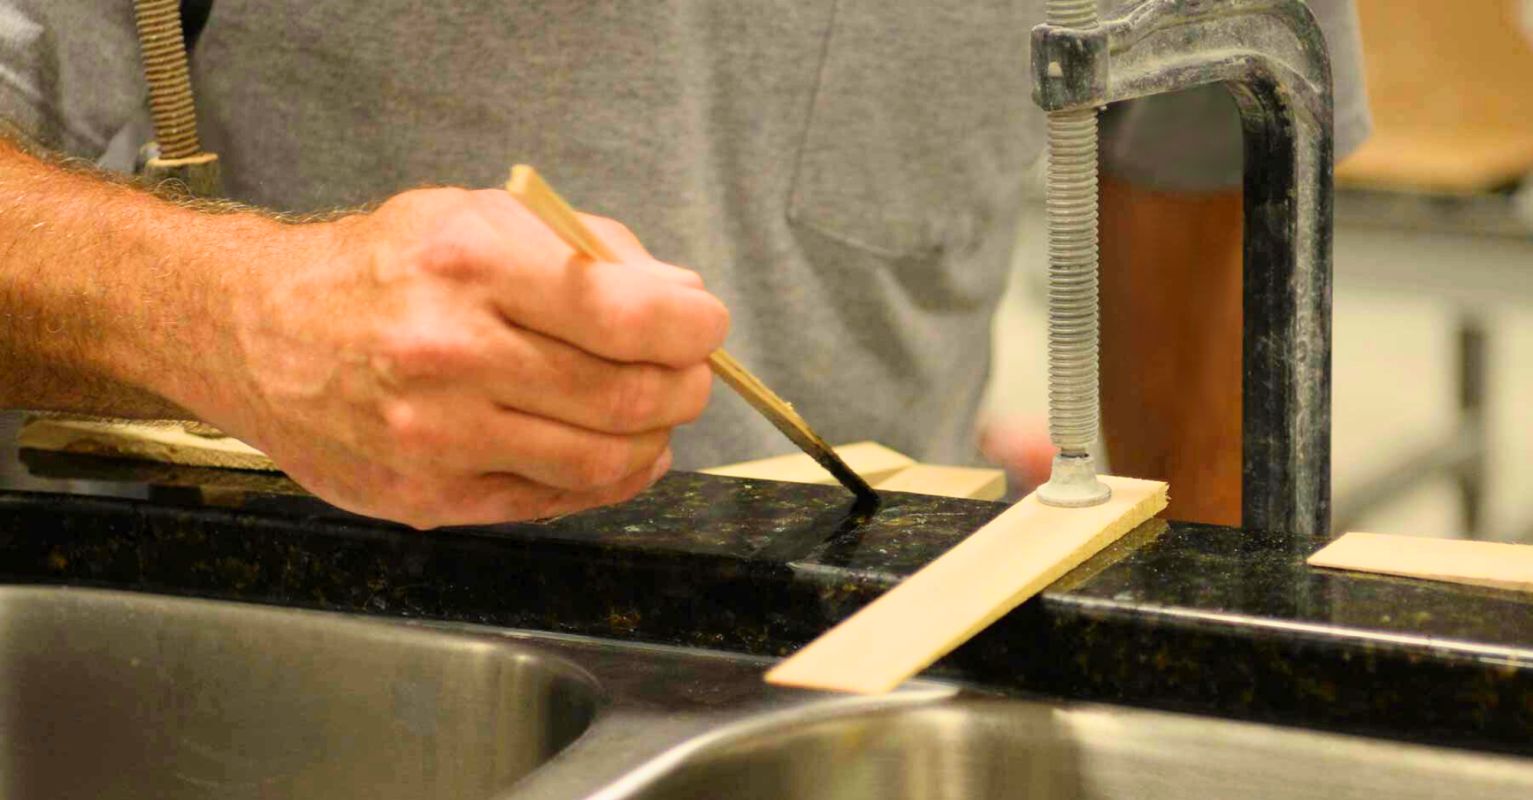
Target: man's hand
{"points": [[446, 359], [442, 360]]}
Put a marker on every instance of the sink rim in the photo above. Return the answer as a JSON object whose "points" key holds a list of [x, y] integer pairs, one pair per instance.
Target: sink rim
{"points": [[1077, 721]]}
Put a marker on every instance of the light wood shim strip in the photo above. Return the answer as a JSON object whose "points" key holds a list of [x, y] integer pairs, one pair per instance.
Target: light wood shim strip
{"points": [[962, 592], [873, 461], [974, 483], [1495, 564], [165, 442]]}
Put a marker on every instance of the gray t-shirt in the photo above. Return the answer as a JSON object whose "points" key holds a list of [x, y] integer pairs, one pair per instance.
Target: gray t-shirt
{"points": [[846, 174]]}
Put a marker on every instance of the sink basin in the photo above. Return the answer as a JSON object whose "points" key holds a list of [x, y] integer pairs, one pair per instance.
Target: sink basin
{"points": [[107, 695], [981, 749], [119, 695]]}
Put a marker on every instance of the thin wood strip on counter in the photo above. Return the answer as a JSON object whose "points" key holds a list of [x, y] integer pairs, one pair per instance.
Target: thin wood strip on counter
{"points": [[974, 483], [885, 468], [871, 460], [1495, 564], [158, 440], [963, 591]]}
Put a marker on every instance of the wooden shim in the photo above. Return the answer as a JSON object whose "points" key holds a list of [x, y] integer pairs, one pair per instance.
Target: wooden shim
{"points": [[162, 441], [930, 613], [1495, 564], [974, 483], [871, 460], [883, 467]]}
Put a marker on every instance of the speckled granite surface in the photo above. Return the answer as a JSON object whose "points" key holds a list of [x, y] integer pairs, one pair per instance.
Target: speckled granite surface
{"points": [[1186, 617]]}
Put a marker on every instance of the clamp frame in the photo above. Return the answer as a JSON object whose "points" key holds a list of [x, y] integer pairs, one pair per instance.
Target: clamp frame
{"points": [[1272, 57]]}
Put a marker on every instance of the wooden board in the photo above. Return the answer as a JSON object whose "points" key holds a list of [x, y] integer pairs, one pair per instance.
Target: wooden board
{"points": [[871, 460], [1448, 88], [1494, 564], [1012, 558], [163, 441], [974, 483]]}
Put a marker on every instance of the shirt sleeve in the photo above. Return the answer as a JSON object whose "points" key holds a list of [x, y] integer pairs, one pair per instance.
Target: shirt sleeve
{"points": [[69, 72], [1190, 141]]}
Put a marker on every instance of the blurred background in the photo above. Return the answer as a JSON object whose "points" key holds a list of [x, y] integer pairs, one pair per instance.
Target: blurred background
{"points": [[1433, 352]]}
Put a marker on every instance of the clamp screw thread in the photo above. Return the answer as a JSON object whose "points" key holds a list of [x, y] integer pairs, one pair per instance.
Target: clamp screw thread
{"points": [[170, 84], [1073, 310]]}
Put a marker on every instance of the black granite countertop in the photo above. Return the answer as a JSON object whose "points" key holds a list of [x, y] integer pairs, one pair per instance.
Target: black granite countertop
{"points": [[1184, 617]]}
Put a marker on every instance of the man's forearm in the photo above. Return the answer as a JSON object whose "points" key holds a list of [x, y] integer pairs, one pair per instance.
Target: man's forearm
{"points": [[111, 297], [440, 359]]}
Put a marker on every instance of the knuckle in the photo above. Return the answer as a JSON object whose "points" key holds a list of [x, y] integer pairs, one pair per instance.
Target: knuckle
{"points": [[407, 202], [428, 200], [420, 352], [627, 490], [603, 463], [720, 322], [635, 399], [704, 335], [413, 435], [689, 278], [610, 229], [624, 320], [454, 197], [459, 247], [400, 418], [697, 386]]}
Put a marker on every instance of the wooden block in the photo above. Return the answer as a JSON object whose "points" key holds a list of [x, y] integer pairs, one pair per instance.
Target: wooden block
{"points": [[871, 460], [1012, 558], [1495, 564], [163, 441], [974, 483]]}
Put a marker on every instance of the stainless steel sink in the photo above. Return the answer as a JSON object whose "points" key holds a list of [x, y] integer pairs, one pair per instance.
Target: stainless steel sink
{"points": [[978, 749], [117, 695]]}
